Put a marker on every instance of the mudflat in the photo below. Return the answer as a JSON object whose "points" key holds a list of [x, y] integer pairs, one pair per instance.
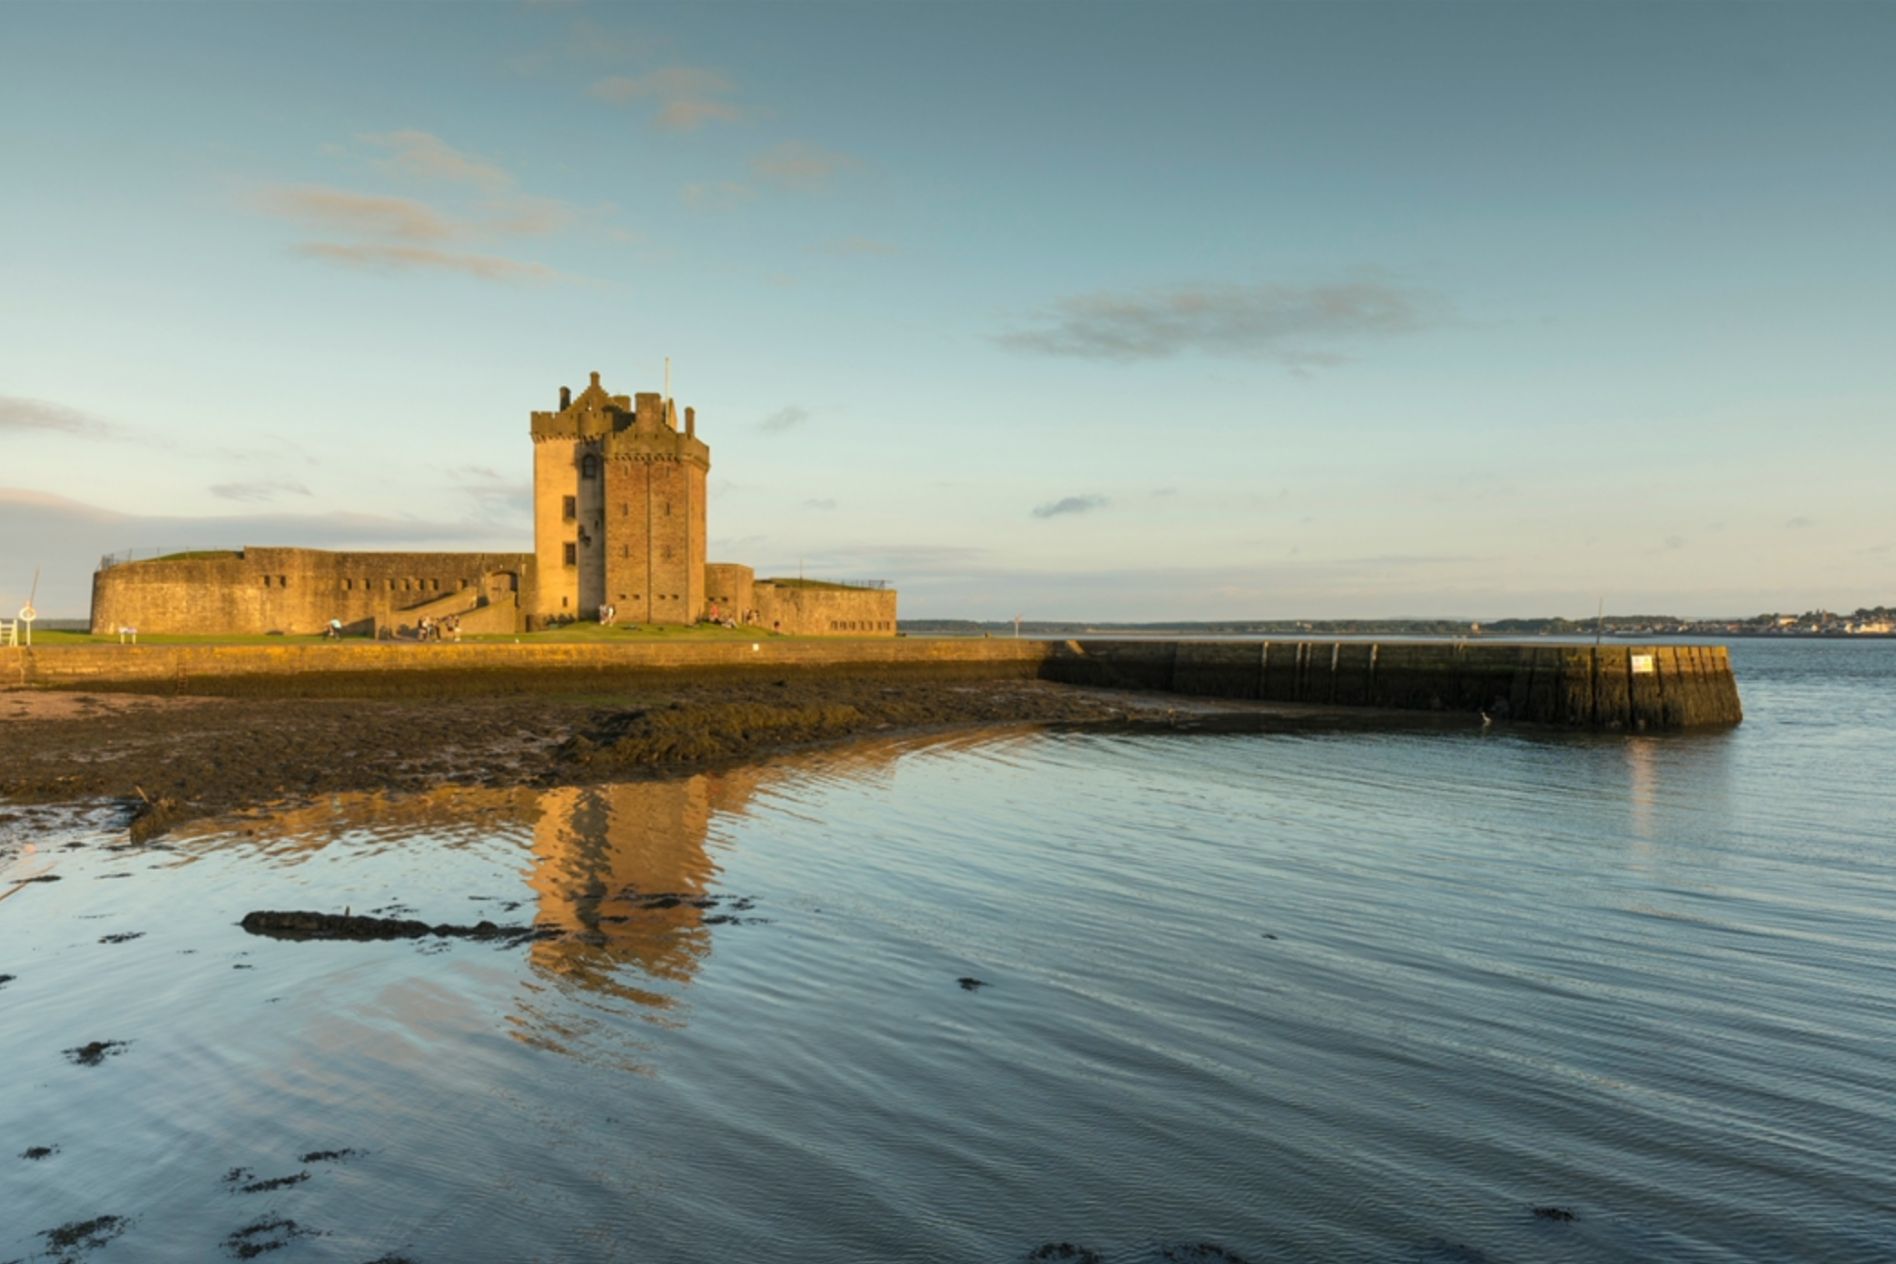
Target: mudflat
{"points": [[168, 759]]}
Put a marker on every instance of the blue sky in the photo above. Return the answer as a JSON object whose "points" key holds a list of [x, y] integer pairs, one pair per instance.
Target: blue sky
{"points": [[1105, 310]]}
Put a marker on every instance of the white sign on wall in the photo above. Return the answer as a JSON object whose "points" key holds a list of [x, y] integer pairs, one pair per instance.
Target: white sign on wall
{"points": [[1642, 665]]}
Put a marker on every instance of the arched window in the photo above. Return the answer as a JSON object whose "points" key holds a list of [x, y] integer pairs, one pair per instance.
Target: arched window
{"points": [[589, 466]]}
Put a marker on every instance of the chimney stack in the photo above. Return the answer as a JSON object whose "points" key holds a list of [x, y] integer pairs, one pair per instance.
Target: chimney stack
{"points": [[691, 422], [566, 398]]}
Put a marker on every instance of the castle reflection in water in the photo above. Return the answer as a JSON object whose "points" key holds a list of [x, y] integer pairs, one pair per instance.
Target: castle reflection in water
{"points": [[590, 854]]}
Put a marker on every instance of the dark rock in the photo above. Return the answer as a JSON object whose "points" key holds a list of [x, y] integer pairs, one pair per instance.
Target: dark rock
{"points": [[123, 937], [7, 978], [1201, 1253], [96, 1052], [307, 925], [328, 1156], [1553, 1213], [84, 1235], [271, 1233], [970, 984], [275, 1182], [39, 1152], [1065, 1251]]}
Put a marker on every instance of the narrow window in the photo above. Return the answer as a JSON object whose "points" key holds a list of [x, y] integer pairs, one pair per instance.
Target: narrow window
{"points": [[266, 581], [572, 554], [625, 550], [569, 508], [625, 510], [589, 466]]}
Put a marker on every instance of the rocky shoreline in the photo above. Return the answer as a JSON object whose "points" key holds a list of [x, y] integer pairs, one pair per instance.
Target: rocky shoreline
{"points": [[170, 759]]}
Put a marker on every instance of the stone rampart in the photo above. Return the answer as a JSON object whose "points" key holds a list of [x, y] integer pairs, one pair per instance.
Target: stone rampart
{"points": [[798, 609], [296, 591]]}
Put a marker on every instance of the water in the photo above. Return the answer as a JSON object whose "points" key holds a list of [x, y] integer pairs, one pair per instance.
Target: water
{"points": [[1350, 997]]}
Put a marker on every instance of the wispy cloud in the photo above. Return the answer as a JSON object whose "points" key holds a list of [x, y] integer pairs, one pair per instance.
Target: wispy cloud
{"points": [[799, 165], [1296, 325], [20, 415], [784, 419], [425, 156], [495, 498], [720, 195], [859, 246], [378, 258], [1800, 523], [687, 97], [387, 232], [1070, 505], [257, 492], [364, 214]]}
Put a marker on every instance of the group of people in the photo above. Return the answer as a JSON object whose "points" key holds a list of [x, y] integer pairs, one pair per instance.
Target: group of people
{"points": [[430, 628], [731, 618]]}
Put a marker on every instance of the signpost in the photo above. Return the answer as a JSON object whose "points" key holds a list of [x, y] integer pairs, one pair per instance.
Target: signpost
{"points": [[27, 613]]}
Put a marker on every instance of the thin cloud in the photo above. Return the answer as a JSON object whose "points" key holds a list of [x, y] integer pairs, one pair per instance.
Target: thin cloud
{"points": [[1294, 325], [800, 166], [257, 492], [1070, 505], [859, 246], [1800, 523], [375, 258], [687, 97], [358, 214], [25, 416], [784, 419], [723, 195], [424, 156]]}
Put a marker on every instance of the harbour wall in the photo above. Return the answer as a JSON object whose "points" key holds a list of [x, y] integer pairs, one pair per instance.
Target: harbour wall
{"points": [[1610, 687]]}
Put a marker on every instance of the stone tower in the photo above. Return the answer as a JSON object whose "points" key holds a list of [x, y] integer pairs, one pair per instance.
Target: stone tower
{"points": [[618, 509]]}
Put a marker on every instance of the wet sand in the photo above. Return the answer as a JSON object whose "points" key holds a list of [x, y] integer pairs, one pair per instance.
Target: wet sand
{"points": [[169, 759]]}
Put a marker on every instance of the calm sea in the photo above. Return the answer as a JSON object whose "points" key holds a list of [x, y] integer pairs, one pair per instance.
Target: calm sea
{"points": [[1352, 997]]}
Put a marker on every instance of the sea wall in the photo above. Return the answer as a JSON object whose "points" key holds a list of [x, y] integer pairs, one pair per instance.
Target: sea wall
{"points": [[1611, 687], [1630, 687]]}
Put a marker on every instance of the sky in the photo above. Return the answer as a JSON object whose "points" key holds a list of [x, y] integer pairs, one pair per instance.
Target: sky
{"points": [[1076, 311]]}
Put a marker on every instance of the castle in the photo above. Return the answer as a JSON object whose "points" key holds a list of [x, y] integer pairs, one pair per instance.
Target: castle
{"points": [[618, 522]]}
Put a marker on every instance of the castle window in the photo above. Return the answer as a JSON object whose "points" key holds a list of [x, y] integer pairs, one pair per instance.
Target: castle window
{"points": [[589, 466], [625, 550], [625, 510], [266, 581], [348, 585], [668, 509], [569, 508], [283, 581], [572, 554], [434, 585]]}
